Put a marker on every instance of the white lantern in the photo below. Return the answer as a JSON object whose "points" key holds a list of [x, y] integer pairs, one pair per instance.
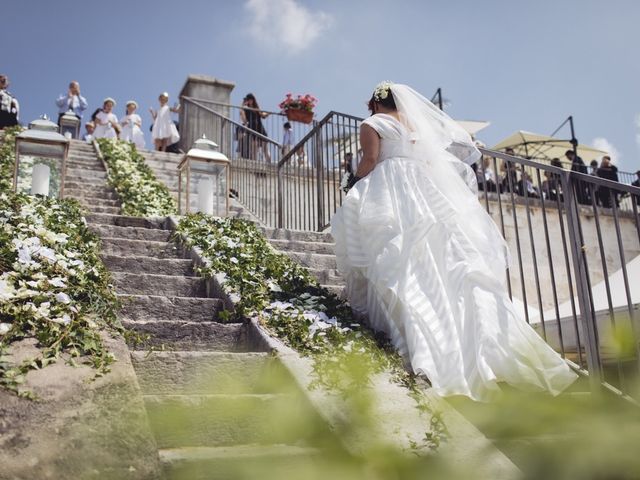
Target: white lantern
{"points": [[70, 125], [203, 180], [41, 160]]}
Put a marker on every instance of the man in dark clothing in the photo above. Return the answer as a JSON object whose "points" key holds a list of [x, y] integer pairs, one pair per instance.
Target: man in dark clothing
{"points": [[607, 171], [582, 188], [636, 183]]}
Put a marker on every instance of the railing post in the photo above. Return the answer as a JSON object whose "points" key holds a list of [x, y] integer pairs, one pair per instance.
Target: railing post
{"points": [[279, 197], [581, 269], [319, 162]]}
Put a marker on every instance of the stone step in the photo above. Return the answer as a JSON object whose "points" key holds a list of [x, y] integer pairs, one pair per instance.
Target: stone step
{"points": [[147, 284], [303, 247], [190, 336], [84, 165], [125, 221], [139, 248], [327, 276], [87, 173], [133, 233], [158, 308], [238, 462], [202, 373], [90, 191], [149, 265], [222, 419], [314, 260], [101, 209], [90, 202], [300, 236], [77, 180]]}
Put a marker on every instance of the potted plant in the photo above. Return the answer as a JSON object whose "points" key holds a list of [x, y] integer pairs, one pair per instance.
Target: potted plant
{"points": [[298, 108]]}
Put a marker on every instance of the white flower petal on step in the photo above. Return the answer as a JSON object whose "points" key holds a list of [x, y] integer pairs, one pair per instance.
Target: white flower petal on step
{"points": [[7, 291], [57, 282], [63, 298]]}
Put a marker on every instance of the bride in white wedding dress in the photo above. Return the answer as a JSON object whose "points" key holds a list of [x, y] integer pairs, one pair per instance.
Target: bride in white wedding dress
{"points": [[426, 263]]}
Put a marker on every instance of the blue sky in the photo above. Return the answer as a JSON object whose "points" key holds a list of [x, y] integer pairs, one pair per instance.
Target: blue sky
{"points": [[521, 65]]}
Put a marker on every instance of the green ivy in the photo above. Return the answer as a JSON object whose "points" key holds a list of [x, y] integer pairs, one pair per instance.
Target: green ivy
{"points": [[54, 287], [291, 305], [139, 191]]}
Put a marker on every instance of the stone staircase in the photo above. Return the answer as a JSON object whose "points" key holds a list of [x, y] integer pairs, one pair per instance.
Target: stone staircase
{"points": [[214, 397]]}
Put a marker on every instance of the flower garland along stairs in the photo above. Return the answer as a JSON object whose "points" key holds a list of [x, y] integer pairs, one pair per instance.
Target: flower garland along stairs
{"points": [[209, 392]]}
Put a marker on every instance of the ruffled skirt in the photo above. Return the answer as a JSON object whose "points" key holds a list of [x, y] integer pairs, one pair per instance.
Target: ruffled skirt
{"points": [[431, 276]]}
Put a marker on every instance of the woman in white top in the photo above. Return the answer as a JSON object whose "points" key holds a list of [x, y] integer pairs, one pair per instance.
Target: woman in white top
{"points": [[425, 261], [131, 123], [164, 131], [106, 121]]}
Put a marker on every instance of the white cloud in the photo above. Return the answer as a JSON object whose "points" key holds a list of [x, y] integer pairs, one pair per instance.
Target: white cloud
{"points": [[285, 24], [603, 144]]}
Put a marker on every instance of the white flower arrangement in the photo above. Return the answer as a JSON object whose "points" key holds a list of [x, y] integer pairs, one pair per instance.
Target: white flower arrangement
{"points": [[140, 192], [53, 285], [382, 90]]}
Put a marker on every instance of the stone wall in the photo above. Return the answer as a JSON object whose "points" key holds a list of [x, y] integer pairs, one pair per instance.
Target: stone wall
{"points": [[194, 121]]}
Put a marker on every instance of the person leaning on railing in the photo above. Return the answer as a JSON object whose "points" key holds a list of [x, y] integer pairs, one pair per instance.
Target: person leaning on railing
{"points": [[636, 183], [251, 117], [608, 171]]}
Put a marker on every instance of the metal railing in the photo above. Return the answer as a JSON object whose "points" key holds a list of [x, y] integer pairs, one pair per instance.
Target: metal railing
{"points": [[574, 238], [571, 268]]}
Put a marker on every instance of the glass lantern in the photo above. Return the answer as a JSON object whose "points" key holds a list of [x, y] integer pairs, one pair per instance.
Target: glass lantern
{"points": [[41, 157], [203, 180], [70, 125]]}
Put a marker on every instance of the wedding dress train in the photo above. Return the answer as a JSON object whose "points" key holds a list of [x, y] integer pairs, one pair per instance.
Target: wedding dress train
{"points": [[427, 267]]}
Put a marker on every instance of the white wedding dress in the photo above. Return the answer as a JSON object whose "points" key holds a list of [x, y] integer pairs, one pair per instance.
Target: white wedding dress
{"points": [[428, 268]]}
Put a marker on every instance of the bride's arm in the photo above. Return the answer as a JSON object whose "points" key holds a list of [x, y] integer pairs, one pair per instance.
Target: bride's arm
{"points": [[370, 143]]}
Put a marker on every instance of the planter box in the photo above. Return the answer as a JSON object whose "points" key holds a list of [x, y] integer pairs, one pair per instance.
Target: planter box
{"points": [[297, 115]]}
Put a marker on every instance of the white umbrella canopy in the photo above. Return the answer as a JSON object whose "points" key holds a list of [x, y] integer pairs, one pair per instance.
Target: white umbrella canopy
{"points": [[473, 126], [544, 148]]}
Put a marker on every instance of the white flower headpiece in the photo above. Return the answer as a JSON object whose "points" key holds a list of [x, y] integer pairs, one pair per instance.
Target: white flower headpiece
{"points": [[382, 90]]}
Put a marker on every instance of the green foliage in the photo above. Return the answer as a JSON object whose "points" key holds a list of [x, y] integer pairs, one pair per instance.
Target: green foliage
{"points": [[295, 308], [140, 192], [54, 288], [7, 158]]}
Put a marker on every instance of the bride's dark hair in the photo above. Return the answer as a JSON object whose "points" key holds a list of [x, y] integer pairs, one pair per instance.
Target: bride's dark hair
{"points": [[387, 102]]}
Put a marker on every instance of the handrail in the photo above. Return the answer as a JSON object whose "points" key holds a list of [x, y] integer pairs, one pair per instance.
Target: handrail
{"points": [[232, 105], [233, 122], [313, 132], [550, 168]]}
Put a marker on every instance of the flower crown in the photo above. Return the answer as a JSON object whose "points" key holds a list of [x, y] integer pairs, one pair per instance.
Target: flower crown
{"points": [[382, 90]]}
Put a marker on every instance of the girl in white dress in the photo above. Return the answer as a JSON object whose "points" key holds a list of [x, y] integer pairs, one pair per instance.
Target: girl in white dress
{"points": [[106, 121], [131, 123], [425, 261], [164, 131]]}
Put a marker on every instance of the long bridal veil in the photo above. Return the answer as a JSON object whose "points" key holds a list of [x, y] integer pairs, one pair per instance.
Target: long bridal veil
{"points": [[448, 151]]}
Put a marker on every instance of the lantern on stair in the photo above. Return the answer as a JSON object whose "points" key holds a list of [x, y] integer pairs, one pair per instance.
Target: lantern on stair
{"points": [[203, 180], [70, 125], [41, 160]]}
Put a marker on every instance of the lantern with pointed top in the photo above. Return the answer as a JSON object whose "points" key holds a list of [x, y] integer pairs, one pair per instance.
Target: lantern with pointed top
{"points": [[203, 180], [41, 158]]}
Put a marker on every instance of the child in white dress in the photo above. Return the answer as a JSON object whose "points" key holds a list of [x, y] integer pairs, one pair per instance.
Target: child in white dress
{"points": [[164, 131], [106, 122], [131, 123]]}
